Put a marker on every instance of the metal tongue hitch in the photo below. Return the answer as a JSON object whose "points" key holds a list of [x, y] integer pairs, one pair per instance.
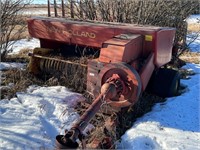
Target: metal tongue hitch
{"points": [[109, 90]]}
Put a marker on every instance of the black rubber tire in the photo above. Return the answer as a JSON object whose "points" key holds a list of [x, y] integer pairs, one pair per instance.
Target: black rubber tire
{"points": [[164, 83]]}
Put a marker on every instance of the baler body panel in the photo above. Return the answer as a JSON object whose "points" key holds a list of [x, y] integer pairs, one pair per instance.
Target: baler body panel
{"points": [[164, 45], [123, 48], [158, 40]]}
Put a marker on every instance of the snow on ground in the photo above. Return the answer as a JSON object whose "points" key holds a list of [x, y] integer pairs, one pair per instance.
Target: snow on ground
{"points": [[193, 41], [174, 124], [193, 19], [34, 12], [23, 44], [34, 118], [6, 65]]}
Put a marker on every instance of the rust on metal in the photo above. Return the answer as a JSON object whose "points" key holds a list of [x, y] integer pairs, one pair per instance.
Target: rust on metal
{"points": [[110, 90], [131, 80], [69, 139], [128, 56], [56, 60], [125, 47], [78, 32]]}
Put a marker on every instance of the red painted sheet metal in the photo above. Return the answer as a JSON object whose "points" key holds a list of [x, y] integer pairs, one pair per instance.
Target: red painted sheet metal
{"points": [[146, 71], [163, 46], [155, 39], [92, 36], [84, 33], [123, 48]]}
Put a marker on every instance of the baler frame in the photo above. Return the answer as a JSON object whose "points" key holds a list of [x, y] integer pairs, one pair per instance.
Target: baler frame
{"points": [[129, 54]]}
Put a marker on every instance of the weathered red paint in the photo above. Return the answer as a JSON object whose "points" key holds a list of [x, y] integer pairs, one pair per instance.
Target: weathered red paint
{"points": [[118, 42], [146, 71], [94, 34], [122, 48], [128, 56]]}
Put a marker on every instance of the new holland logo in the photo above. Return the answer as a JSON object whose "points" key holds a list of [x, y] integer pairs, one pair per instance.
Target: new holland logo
{"points": [[72, 32]]}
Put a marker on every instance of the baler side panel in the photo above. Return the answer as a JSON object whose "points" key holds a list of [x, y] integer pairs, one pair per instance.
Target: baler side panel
{"points": [[163, 46], [87, 35], [147, 70]]}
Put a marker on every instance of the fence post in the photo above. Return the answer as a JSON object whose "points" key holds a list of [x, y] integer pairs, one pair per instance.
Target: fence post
{"points": [[49, 11], [55, 9], [63, 9]]}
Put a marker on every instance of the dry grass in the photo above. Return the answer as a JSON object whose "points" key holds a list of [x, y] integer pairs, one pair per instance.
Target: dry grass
{"points": [[22, 56], [24, 17], [20, 80], [22, 35], [20, 31], [194, 27], [192, 57]]}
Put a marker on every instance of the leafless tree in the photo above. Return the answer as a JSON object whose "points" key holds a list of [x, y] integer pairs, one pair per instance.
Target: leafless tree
{"points": [[147, 12], [12, 23]]}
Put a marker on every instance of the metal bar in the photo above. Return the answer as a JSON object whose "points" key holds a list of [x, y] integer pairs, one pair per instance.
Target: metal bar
{"points": [[90, 112], [55, 9], [86, 117], [81, 9], [63, 9], [72, 8], [49, 9], [55, 59], [69, 139]]}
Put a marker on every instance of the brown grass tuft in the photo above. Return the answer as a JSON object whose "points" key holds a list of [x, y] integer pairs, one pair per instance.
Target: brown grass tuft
{"points": [[194, 27], [191, 57], [20, 79]]}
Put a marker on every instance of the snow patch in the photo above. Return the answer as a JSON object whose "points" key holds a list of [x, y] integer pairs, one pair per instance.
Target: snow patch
{"points": [[193, 19], [6, 65], [34, 118], [18, 45], [173, 124], [193, 41]]}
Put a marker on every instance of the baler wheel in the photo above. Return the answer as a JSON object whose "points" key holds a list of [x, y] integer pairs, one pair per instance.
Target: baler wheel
{"points": [[164, 83]]}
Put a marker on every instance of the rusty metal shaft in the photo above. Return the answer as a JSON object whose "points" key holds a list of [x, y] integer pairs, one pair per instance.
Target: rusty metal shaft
{"points": [[87, 116], [69, 139]]}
